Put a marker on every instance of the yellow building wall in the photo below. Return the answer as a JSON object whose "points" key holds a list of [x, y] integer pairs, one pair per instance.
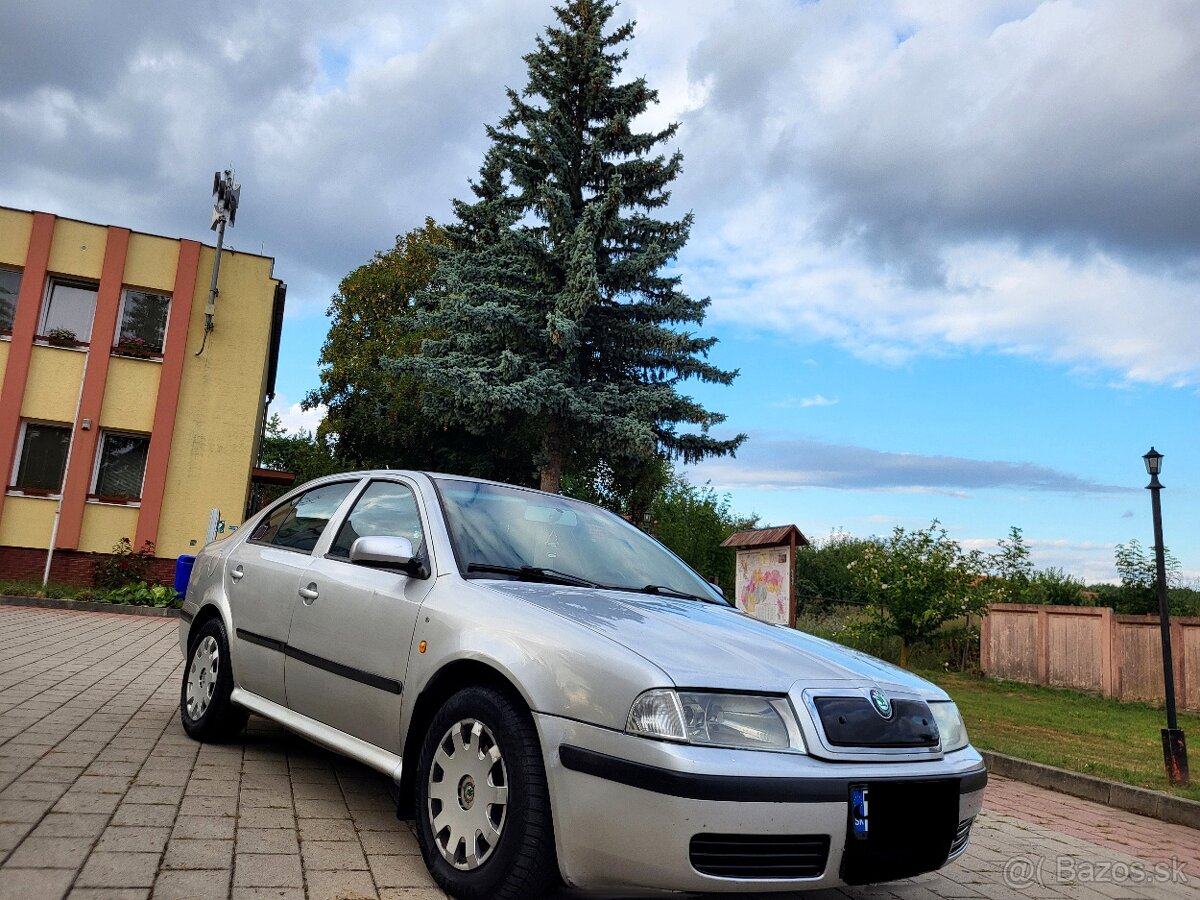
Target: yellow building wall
{"points": [[77, 249], [52, 387], [15, 228], [130, 394], [27, 521], [150, 262], [104, 525], [220, 402], [221, 392], [3, 358]]}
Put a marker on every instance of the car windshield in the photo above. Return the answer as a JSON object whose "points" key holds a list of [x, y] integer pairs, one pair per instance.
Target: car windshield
{"points": [[500, 530]]}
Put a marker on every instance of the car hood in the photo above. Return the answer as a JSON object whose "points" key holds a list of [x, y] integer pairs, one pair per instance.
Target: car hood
{"points": [[702, 645]]}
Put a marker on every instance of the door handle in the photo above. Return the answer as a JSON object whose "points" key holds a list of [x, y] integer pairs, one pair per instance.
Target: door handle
{"points": [[309, 593], [237, 574]]}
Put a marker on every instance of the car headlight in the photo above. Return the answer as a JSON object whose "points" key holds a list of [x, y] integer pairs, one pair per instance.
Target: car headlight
{"points": [[950, 725], [743, 721]]}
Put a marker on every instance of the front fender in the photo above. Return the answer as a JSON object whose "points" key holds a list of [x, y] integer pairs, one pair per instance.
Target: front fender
{"points": [[559, 667]]}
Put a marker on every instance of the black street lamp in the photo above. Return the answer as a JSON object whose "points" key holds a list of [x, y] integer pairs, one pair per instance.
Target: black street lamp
{"points": [[1174, 748]]}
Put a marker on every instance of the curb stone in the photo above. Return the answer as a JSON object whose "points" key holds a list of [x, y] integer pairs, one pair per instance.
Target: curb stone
{"points": [[90, 606], [1156, 804]]}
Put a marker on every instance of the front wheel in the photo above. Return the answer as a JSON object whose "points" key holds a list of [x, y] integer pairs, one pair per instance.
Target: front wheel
{"points": [[483, 807], [204, 705]]}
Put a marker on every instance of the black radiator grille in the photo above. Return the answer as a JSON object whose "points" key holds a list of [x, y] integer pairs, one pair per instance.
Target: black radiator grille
{"points": [[760, 855], [961, 837]]}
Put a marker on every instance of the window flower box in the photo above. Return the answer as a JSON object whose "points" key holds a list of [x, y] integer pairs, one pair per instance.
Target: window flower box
{"points": [[137, 348]]}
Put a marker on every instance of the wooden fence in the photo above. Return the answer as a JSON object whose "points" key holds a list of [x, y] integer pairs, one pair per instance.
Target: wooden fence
{"points": [[1090, 649]]}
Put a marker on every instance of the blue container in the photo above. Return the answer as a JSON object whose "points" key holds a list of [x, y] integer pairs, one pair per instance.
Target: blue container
{"points": [[183, 571]]}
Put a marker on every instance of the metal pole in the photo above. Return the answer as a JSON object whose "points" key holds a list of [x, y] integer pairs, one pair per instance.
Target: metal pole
{"points": [[1174, 747], [75, 427], [212, 289]]}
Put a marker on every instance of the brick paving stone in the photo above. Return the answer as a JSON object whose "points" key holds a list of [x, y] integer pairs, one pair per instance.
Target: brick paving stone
{"points": [[333, 855], [146, 814], [108, 868], [399, 871], [340, 886], [267, 840], [44, 884], [108, 894], [51, 853], [267, 870], [199, 854], [190, 885], [327, 830], [134, 838], [71, 825]]}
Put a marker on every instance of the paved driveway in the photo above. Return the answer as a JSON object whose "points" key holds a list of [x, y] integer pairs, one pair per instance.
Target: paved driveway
{"points": [[102, 795]]}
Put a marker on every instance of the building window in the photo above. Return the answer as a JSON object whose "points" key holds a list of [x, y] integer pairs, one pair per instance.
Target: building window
{"points": [[121, 466], [10, 286], [143, 323], [70, 306], [43, 457]]}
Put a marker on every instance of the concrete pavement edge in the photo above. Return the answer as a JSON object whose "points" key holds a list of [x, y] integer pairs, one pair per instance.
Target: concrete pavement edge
{"points": [[1156, 804], [88, 606]]}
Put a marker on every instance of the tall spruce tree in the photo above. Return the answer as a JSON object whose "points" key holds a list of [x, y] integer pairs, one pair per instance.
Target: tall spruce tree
{"points": [[551, 305]]}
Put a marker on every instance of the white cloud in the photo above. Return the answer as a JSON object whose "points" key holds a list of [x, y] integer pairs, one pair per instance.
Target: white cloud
{"points": [[770, 463], [896, 178], [805, 402], [294, 417]]}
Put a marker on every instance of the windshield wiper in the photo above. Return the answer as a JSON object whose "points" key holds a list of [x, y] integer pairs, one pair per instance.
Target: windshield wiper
{"points": [[533, 573], [675, 592]]}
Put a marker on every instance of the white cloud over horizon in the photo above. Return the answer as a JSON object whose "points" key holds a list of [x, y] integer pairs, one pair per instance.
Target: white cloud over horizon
{"points": [[897, 178]]}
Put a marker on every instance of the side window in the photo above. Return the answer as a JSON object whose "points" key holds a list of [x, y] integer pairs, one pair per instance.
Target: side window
{"points": [[143, 323], [298, 524], [385, 508], [10, 286], [70, 308]]}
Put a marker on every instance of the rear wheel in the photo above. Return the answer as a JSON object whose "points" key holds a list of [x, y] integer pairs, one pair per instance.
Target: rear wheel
{"points": [[204, 705], [483, 807]]}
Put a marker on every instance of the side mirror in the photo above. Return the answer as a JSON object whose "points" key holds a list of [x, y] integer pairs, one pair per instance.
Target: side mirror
{"points": [[716, 587], [387, 552]]}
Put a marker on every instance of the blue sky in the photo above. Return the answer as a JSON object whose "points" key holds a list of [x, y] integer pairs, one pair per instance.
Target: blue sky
{"points": [[952, 248]]}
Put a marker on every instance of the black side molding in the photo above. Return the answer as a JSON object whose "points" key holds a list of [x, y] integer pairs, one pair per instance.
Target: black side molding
{"points": [[736, 788], [370, 679]]}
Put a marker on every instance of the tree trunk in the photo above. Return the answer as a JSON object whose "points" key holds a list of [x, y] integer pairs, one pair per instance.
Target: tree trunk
{"points": [[903, 653], [553, 451]]}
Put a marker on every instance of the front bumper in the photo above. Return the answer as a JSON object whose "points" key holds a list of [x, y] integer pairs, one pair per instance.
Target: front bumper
{"points": [[637, 814]]}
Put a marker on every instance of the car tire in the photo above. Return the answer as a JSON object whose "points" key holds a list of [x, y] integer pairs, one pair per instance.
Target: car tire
{"points": [[205, 709], [482, 803]]}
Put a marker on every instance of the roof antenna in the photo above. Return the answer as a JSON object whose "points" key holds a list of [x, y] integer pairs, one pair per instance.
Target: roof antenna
{"points": [[227, 192]]}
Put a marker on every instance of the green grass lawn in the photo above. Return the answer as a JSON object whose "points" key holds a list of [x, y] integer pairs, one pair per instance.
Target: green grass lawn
{"points": [[1071, 730]]}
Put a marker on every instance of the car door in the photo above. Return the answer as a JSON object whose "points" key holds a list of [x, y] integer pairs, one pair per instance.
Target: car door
{"points": [[262, 577], [353, 625]]}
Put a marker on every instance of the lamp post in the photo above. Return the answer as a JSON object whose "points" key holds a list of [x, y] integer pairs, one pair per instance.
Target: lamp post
{"points": [[1174, 748]]}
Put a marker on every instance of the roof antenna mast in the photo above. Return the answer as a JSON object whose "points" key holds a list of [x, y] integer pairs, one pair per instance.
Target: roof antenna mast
{"points": [[226, 193]]}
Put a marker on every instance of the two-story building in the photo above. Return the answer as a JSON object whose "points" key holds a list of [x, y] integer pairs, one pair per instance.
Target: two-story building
{"points": [[113, 424]]}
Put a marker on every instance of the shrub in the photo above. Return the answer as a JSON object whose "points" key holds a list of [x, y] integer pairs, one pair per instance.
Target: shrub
{"points": [[143, 594], [125, 565]]}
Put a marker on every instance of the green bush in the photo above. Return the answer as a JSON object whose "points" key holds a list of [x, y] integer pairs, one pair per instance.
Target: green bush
{"points": [[142, 594], [125, 566]]}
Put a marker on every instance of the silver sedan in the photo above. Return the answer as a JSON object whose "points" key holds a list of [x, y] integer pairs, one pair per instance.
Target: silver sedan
{"points": [[559, 697]]}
